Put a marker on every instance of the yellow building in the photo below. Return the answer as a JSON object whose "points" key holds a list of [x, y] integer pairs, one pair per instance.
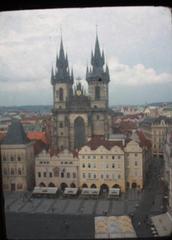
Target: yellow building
{"points": [[108, 164], [17, 160], [57, 169], [101, 163], [101, 167], [134, 165], [46, 170]]}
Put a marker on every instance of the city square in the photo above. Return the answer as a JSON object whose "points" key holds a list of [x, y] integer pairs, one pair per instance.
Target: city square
{"points": [[86, 123]]}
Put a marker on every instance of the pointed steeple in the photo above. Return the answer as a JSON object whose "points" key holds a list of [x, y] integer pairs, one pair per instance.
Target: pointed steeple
{"points": [[52, 76], [107, 72], [61, 52], [87, 72], [72, 77], [97, 61], [92, 58], [97, 53], [62, 73]]}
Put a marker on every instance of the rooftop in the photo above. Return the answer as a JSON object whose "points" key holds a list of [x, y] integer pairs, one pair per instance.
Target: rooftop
{"points": [[15, 134]]}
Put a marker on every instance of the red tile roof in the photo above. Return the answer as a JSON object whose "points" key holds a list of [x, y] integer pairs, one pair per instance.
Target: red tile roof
{"points": [[98, 141], [39, 146], [37, 136], [143, 140]]}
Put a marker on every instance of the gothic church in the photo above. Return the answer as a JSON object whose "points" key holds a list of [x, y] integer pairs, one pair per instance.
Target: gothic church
{"points": [[78, 116]]}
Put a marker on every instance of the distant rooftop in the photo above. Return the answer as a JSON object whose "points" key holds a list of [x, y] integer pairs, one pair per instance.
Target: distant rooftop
{"points": [[16, 134]]}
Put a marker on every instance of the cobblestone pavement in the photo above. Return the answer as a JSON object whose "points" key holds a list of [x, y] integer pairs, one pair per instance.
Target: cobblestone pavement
{"points": [[47, 214], [18, 203]]}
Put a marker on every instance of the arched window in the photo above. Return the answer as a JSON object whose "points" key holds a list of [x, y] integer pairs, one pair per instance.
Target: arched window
{"points": [[12, 171], [83, 165], [19, 171], [79, 132], [97, 92], [5, 171], [61, 96]]}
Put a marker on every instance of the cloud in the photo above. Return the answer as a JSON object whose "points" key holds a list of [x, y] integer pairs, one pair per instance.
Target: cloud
{"points": [[137, 75], [29, 41]]}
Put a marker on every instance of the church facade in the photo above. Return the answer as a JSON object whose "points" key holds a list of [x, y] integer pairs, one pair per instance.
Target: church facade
{"points": [[78, 116]]}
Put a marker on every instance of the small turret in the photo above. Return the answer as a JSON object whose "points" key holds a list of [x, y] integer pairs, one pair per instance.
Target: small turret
{"points": [[52, 75]]}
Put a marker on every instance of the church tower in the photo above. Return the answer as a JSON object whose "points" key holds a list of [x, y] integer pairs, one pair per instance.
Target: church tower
{"points": [[98, 79], [62, 81], [77, 116]]}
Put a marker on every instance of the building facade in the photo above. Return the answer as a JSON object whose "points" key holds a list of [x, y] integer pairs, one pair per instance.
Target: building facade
{"points": [[155, 129], [159, 131], [57, 169], [17, 160], [168, 166], [77, 116], [102, 167], [100, 163]]}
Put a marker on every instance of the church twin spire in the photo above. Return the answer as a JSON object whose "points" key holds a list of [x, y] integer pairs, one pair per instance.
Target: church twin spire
{"points": [[63, 74]]}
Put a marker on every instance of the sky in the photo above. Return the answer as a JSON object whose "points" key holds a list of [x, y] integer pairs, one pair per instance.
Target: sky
{"points": [[137, 42]]}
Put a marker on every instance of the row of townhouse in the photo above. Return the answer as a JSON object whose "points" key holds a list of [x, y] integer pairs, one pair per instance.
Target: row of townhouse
{"points": [[99, 164]]}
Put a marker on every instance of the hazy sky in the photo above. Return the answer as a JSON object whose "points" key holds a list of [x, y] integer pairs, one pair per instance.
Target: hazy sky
{"points": [[137, 42]]}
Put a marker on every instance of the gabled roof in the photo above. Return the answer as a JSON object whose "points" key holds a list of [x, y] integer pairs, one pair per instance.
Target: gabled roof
{"points": [[16, 134], [98, 141]]}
